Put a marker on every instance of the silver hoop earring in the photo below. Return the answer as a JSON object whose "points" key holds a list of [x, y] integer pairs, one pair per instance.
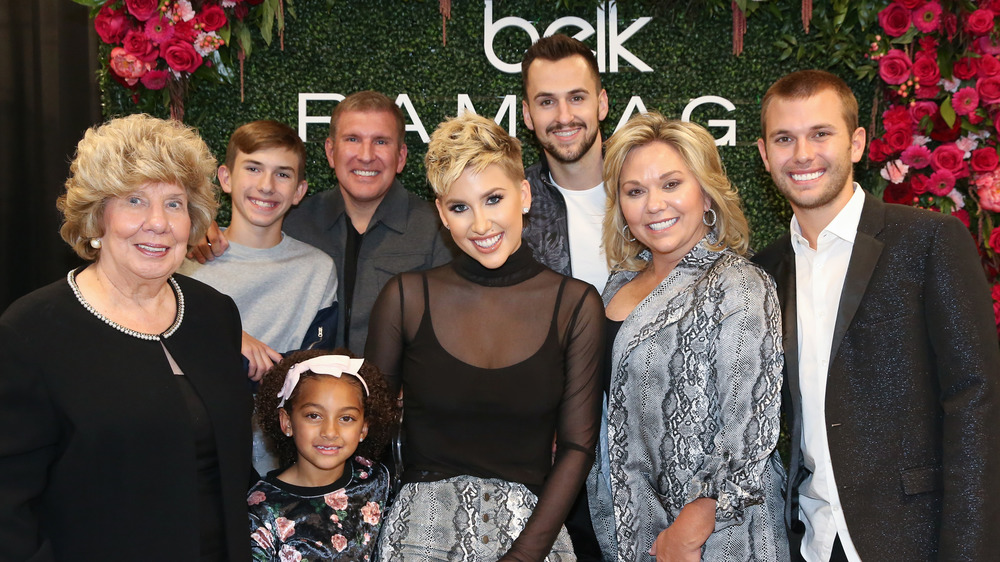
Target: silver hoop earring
{"points": [[704, 218], [626, 233], [95, 243]]}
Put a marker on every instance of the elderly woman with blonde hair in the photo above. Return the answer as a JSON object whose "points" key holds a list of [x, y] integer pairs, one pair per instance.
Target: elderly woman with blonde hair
{"points": [[127, 413], [496, 356], [687, 468]]}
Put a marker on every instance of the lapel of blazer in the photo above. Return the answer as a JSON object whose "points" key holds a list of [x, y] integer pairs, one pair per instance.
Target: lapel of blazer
{"points": [[784, 274], [864, 258]]}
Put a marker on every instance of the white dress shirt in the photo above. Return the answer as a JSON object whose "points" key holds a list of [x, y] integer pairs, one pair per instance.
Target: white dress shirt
{"points": [[819, 276]]}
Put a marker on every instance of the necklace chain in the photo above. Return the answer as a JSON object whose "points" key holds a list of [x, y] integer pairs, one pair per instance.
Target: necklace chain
{"points": [[71, 279]]}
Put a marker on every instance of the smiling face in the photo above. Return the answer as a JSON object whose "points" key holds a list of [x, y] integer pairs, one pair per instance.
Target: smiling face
{"points": [[810, 152], [327, 422], [264, 185], [145, 233], [484, 214], [564, 107], [366, 154], [662, 201]]}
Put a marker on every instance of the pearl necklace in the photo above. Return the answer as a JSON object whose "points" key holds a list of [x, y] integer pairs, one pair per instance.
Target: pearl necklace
{"points": [[71, 279]]}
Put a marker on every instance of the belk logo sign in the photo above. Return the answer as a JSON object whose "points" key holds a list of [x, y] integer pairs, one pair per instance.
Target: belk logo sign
{"points": [[610, 40]]}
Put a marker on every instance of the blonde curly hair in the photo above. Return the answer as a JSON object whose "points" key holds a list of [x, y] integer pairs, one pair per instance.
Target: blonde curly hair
{"points": [[470, 141]]}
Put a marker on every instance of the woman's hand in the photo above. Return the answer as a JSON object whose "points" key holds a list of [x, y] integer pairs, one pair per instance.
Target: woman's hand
{"points": [[682, 541]]}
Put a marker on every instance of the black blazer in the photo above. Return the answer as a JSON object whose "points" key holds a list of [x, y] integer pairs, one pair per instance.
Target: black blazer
{"points": [[97, 454], [911, 403]]}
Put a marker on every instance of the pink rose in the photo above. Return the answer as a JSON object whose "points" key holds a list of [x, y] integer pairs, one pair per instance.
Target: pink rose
{"points": [[922, 109], [941, 183], [338, 542], [143, 9], [894, 19], [987, 66], [898, 139], [984, 160], [895, 171], [336, 500], [111, 25], [989, 195], [949, 157], [289, 554], [979, 22], [180, 55], [286, 528], [927, 18], [917, 157], [136, 43], [965, 101], [263, 538], [926, 70], [962, 215], [371, 513], [894, 67], [256, 497], [964, 68], [212, 18], [918, 183], [155, 79], [986, 45], [127, 66], [988, 90]]}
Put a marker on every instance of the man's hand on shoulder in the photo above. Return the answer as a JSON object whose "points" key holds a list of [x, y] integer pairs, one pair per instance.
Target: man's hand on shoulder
{"points": [[213, 245]]}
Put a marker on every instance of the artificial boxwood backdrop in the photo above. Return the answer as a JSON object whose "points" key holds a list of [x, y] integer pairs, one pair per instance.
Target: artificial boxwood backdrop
{"points": [[396, 47]]}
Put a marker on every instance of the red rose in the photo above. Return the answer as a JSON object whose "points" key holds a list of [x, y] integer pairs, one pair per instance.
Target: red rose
{"points": [[900, 193], [143, 9], [180, 55], [136, 43], [989, 90], [995, 240], [111, 25], [878, 150], [241, 11], [949, 23], [185, 31], [212, 18], [979, 22], [928, 44], [918, 183], [986, 45], [894, 66], [910, 4], [962, 215], [894, 19], [987, 66], [898, 139], [964, 68], [951, 158], [255, 2], [897, 116], [942, 132], [927, 92], [922, 109], [984, 159], [926, 70], [154, 79]]}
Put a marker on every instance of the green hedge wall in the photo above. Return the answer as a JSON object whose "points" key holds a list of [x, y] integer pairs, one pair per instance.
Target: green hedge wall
{"points": [[395, 47]]}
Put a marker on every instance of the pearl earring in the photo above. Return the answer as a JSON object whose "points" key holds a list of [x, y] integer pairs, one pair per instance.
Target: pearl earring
{"points": [[524, 210], [95, 243]]}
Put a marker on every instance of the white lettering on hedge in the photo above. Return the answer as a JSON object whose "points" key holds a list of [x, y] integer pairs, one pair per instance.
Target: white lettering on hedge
{"points": [[403, 101], [508, 108], [635, 103], [614, 39], [305, 119], [729, 139]]}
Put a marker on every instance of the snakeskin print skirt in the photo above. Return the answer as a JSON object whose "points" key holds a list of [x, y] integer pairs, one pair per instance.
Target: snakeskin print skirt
{"points": [[461, 518]]}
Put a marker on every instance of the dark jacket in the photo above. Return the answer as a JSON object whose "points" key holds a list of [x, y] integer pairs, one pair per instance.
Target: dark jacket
{"points": [[912, 405], [546, 230]]}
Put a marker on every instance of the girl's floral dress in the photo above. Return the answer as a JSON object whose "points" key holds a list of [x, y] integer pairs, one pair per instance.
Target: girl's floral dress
{"points": [[336, 522]]}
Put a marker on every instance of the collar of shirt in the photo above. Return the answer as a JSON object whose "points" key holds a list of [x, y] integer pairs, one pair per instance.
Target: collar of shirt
{"points": [[843, 226]]}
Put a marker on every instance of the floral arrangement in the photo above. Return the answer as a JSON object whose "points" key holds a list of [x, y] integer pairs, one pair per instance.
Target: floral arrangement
{"points": [[937, 148], [158, 45]]}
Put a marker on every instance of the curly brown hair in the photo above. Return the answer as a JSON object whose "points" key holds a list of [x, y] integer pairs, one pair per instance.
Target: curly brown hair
{"points": [[380, 408]]}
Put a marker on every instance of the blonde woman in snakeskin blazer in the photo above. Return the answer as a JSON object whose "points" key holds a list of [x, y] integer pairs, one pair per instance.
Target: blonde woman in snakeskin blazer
{"points": [[687, 468]]}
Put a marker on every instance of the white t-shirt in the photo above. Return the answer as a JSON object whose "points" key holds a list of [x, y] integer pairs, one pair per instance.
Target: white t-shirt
{"points": [[584, 218]]}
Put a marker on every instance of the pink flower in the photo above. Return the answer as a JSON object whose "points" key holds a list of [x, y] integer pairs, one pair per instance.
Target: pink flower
{"points": [[987, 46], [988, 191], [941, 183], [338, 542], [154, 79], [926, 70], [918, 183], [289, 554], [286, 528], [996, 301], [895, 171], [256, 497], [967, 145], [995, 242], [894, 19], [336, 500], [927, 18], [917, 157], [988, 90], [371, 513], [984, 160], [949, 157], [207, 43], [987, 66], [111, 25], [127, 66], [180, 55], [143, 9], [159, 30], [894, 67], [957, 198], [962, 215], [965, 101], [922, 109], [182, 11], [979, 22], [363, 461], [263, 538]]}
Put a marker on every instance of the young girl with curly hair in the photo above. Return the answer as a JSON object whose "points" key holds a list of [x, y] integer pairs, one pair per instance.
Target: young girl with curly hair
{"points": [[330, 415]]}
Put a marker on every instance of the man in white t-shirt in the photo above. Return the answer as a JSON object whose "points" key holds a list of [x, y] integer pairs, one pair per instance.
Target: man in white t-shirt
{"points": [[564, 105]]}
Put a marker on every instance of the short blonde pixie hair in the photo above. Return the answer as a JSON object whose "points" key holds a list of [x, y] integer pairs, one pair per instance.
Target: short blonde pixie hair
{"points": [[470, 141], [697, 148], [120, 156]]}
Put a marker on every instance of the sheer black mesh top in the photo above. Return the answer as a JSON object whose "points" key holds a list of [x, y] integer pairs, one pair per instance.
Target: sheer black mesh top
{"points": [[495, 364]]}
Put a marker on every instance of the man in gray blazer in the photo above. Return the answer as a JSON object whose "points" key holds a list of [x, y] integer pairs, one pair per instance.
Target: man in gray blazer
{"points": [[891, 352]]}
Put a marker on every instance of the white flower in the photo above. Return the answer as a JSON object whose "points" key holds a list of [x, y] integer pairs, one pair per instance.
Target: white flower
{"points": [[958, 198], [951, 85], [967, 144], [895, 171], [207, 43], [920, 140], [184, 10]]}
